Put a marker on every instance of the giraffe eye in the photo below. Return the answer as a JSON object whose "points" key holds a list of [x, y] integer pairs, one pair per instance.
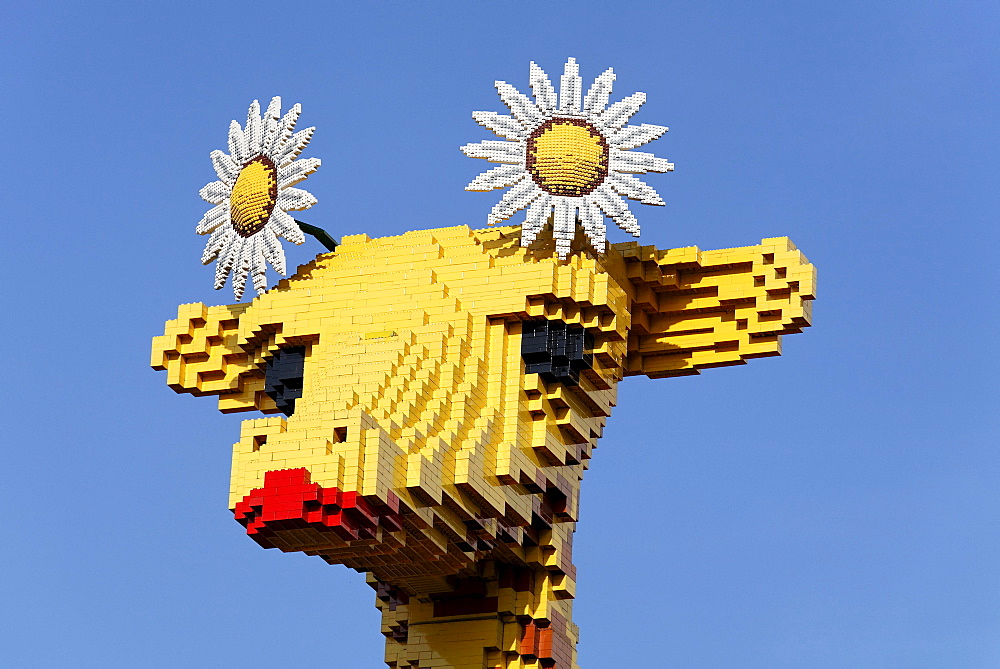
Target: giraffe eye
{"points": [[283, 377], [556, 351]]}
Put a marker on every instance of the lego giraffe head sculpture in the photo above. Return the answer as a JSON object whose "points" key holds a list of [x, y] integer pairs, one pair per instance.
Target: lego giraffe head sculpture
{"points": [[435, 397]]}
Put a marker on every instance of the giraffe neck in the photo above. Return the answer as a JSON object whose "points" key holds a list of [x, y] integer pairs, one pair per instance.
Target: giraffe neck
{"points": [[503, 618]]}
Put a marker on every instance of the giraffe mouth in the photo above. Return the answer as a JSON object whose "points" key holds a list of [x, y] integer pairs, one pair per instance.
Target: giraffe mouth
{"points": [[292, 513]]}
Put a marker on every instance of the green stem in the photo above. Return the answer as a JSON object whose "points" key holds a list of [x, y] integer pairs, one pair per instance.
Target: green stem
{"points": [[320, 234]]}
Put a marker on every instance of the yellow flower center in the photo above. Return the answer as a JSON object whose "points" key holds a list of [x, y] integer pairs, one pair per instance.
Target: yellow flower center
{"points": [[254, 195], [567, 156]]}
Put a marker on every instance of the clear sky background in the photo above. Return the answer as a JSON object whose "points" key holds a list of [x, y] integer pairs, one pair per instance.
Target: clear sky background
{"points": [[833, 508]]}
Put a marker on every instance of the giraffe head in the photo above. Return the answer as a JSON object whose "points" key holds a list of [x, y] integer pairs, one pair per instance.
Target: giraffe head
{"points": [[434, 398]]}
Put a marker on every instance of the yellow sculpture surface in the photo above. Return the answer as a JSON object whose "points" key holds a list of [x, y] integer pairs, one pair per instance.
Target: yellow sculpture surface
{"points": [[415, 397]]}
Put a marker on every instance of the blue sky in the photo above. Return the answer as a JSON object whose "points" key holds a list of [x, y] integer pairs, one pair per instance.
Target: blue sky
{"points": [[835, 507]]}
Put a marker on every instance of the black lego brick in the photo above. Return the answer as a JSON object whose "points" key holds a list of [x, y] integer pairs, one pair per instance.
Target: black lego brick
{"points": [[556, 351], [283, 377]]}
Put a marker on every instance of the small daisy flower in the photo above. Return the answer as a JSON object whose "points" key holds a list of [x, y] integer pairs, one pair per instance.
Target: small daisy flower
{"points": [[567, 159], [254, 194]]}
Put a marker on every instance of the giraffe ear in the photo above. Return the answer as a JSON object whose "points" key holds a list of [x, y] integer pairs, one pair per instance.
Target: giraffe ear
{"points": [[198, 350], [696, 309]]}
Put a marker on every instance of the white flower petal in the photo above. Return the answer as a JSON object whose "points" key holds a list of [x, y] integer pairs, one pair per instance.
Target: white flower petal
{"points": [[256, 262], [273, 112], [638, 162], [563, 214], [241, 266], [228, 255], [593, 225], [631, 187], [273, 252], [632, 136], [259, 276], [498, 177], [239, 281], [524, 109], [216, 192], [285, 226], [586, 216], [570, 87], [500, 124], [541, 87], [563, 224], [270, 124], [297, 171], [496, 151], [254, 132], [293, 147], [536, 218], [237, 144], [614, 208], [225, 168], [215, 217], [295, 199], [564, 244], [216, 243], [618, 114], [514, 200], [597, 97], [285, 127]]}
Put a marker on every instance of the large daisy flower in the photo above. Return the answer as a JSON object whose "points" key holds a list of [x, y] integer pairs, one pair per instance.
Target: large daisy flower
{"points": [[567, 159], [254, 194]]}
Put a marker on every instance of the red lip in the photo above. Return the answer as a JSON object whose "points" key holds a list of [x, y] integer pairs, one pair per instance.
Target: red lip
{"points": [[289, 501]]}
